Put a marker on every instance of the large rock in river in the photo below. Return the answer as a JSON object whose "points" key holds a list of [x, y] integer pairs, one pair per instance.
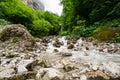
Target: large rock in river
{"points": [[16, 33]]}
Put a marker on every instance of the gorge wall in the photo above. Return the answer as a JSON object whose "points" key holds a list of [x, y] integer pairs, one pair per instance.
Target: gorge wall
{"points": [[35, 4]]}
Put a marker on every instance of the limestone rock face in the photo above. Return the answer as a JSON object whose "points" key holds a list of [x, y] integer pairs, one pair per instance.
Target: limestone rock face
{"points": [[35, 4]]}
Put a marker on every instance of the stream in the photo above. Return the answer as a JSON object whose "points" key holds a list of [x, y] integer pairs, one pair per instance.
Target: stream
{"points": [[62, 58]]}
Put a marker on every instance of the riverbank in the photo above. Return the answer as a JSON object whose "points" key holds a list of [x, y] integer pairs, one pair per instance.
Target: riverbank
{"points": [[60, 58]]}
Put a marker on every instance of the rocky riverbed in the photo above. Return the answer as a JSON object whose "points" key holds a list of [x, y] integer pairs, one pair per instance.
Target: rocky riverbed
{"points": [[58, 58]]}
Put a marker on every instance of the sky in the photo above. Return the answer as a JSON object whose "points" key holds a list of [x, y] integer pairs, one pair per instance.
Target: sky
{"points": [[53, 6]]}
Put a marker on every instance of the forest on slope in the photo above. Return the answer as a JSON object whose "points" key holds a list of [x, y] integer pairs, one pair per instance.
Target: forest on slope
{"points": [[99, 19]]}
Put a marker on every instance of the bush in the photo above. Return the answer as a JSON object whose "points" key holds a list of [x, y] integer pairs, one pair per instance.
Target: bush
{"points": [[41, 28], [64, 33], [3, 22], [116, 38], [88, 31], [16, 12], [78, 30], [52, 18], [115, 13]]}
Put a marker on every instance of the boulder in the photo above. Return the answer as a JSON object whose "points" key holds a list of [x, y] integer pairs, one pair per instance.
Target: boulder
{"points": [[71, 46], [18, 33], [98, 75], [21, 69], [24, 66], [66, 54], [57, 43], [6, 73]]}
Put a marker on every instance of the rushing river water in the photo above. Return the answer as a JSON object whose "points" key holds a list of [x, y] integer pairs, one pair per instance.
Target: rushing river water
{"points": [[61, 57], [103, 61]]}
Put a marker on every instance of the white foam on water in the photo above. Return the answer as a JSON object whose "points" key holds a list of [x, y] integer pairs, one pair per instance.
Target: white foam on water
{"points": [[96, 60]]}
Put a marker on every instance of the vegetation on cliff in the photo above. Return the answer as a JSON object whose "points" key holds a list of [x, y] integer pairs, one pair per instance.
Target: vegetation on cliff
{"points": [[80, 17], [37, 22], [94, 13]]}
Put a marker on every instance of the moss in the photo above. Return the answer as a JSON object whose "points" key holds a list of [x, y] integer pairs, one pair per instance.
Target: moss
{"points": [[105, 33]]}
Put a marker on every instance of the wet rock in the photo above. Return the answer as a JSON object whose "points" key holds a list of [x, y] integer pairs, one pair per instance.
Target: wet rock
{"points": [[66, 62], [68, 42], [25, 76], [83, 77], [45, 61], [49, 74], [105, 50], [75, 75], [6, 73], [87, 48], [58, 43], [56, 50], [32, 65], [97, 76], [65, 54], [58, 65], [69, 67], [24, 66], [21, 69], [25, 62], [45, 40], [71, 46], [11, 55]]}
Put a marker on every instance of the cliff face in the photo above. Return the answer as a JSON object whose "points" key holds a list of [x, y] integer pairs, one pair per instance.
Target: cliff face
{"points": [[35, 4]]}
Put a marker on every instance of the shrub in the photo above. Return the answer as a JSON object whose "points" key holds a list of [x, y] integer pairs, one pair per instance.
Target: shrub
{"points": [[64, 33], [41, 28], [116, 38], [52, 18], [115, 13], [88, 31], [3, 22], [78, 30], [16, 12]]}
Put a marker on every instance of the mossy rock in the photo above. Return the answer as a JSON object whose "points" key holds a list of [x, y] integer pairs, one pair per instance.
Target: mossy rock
{"points": [[14, 30], [105, 33], [16, 33]]}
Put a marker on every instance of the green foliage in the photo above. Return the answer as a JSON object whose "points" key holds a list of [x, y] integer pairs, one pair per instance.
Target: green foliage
{"points": [[65, 33], [41, 28], [116, 38], [16, 12], [88, 31], [115, 13], [93, 11], [78, 30], [104, 34], [3, 22], [111, 23], [53, 19]]}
